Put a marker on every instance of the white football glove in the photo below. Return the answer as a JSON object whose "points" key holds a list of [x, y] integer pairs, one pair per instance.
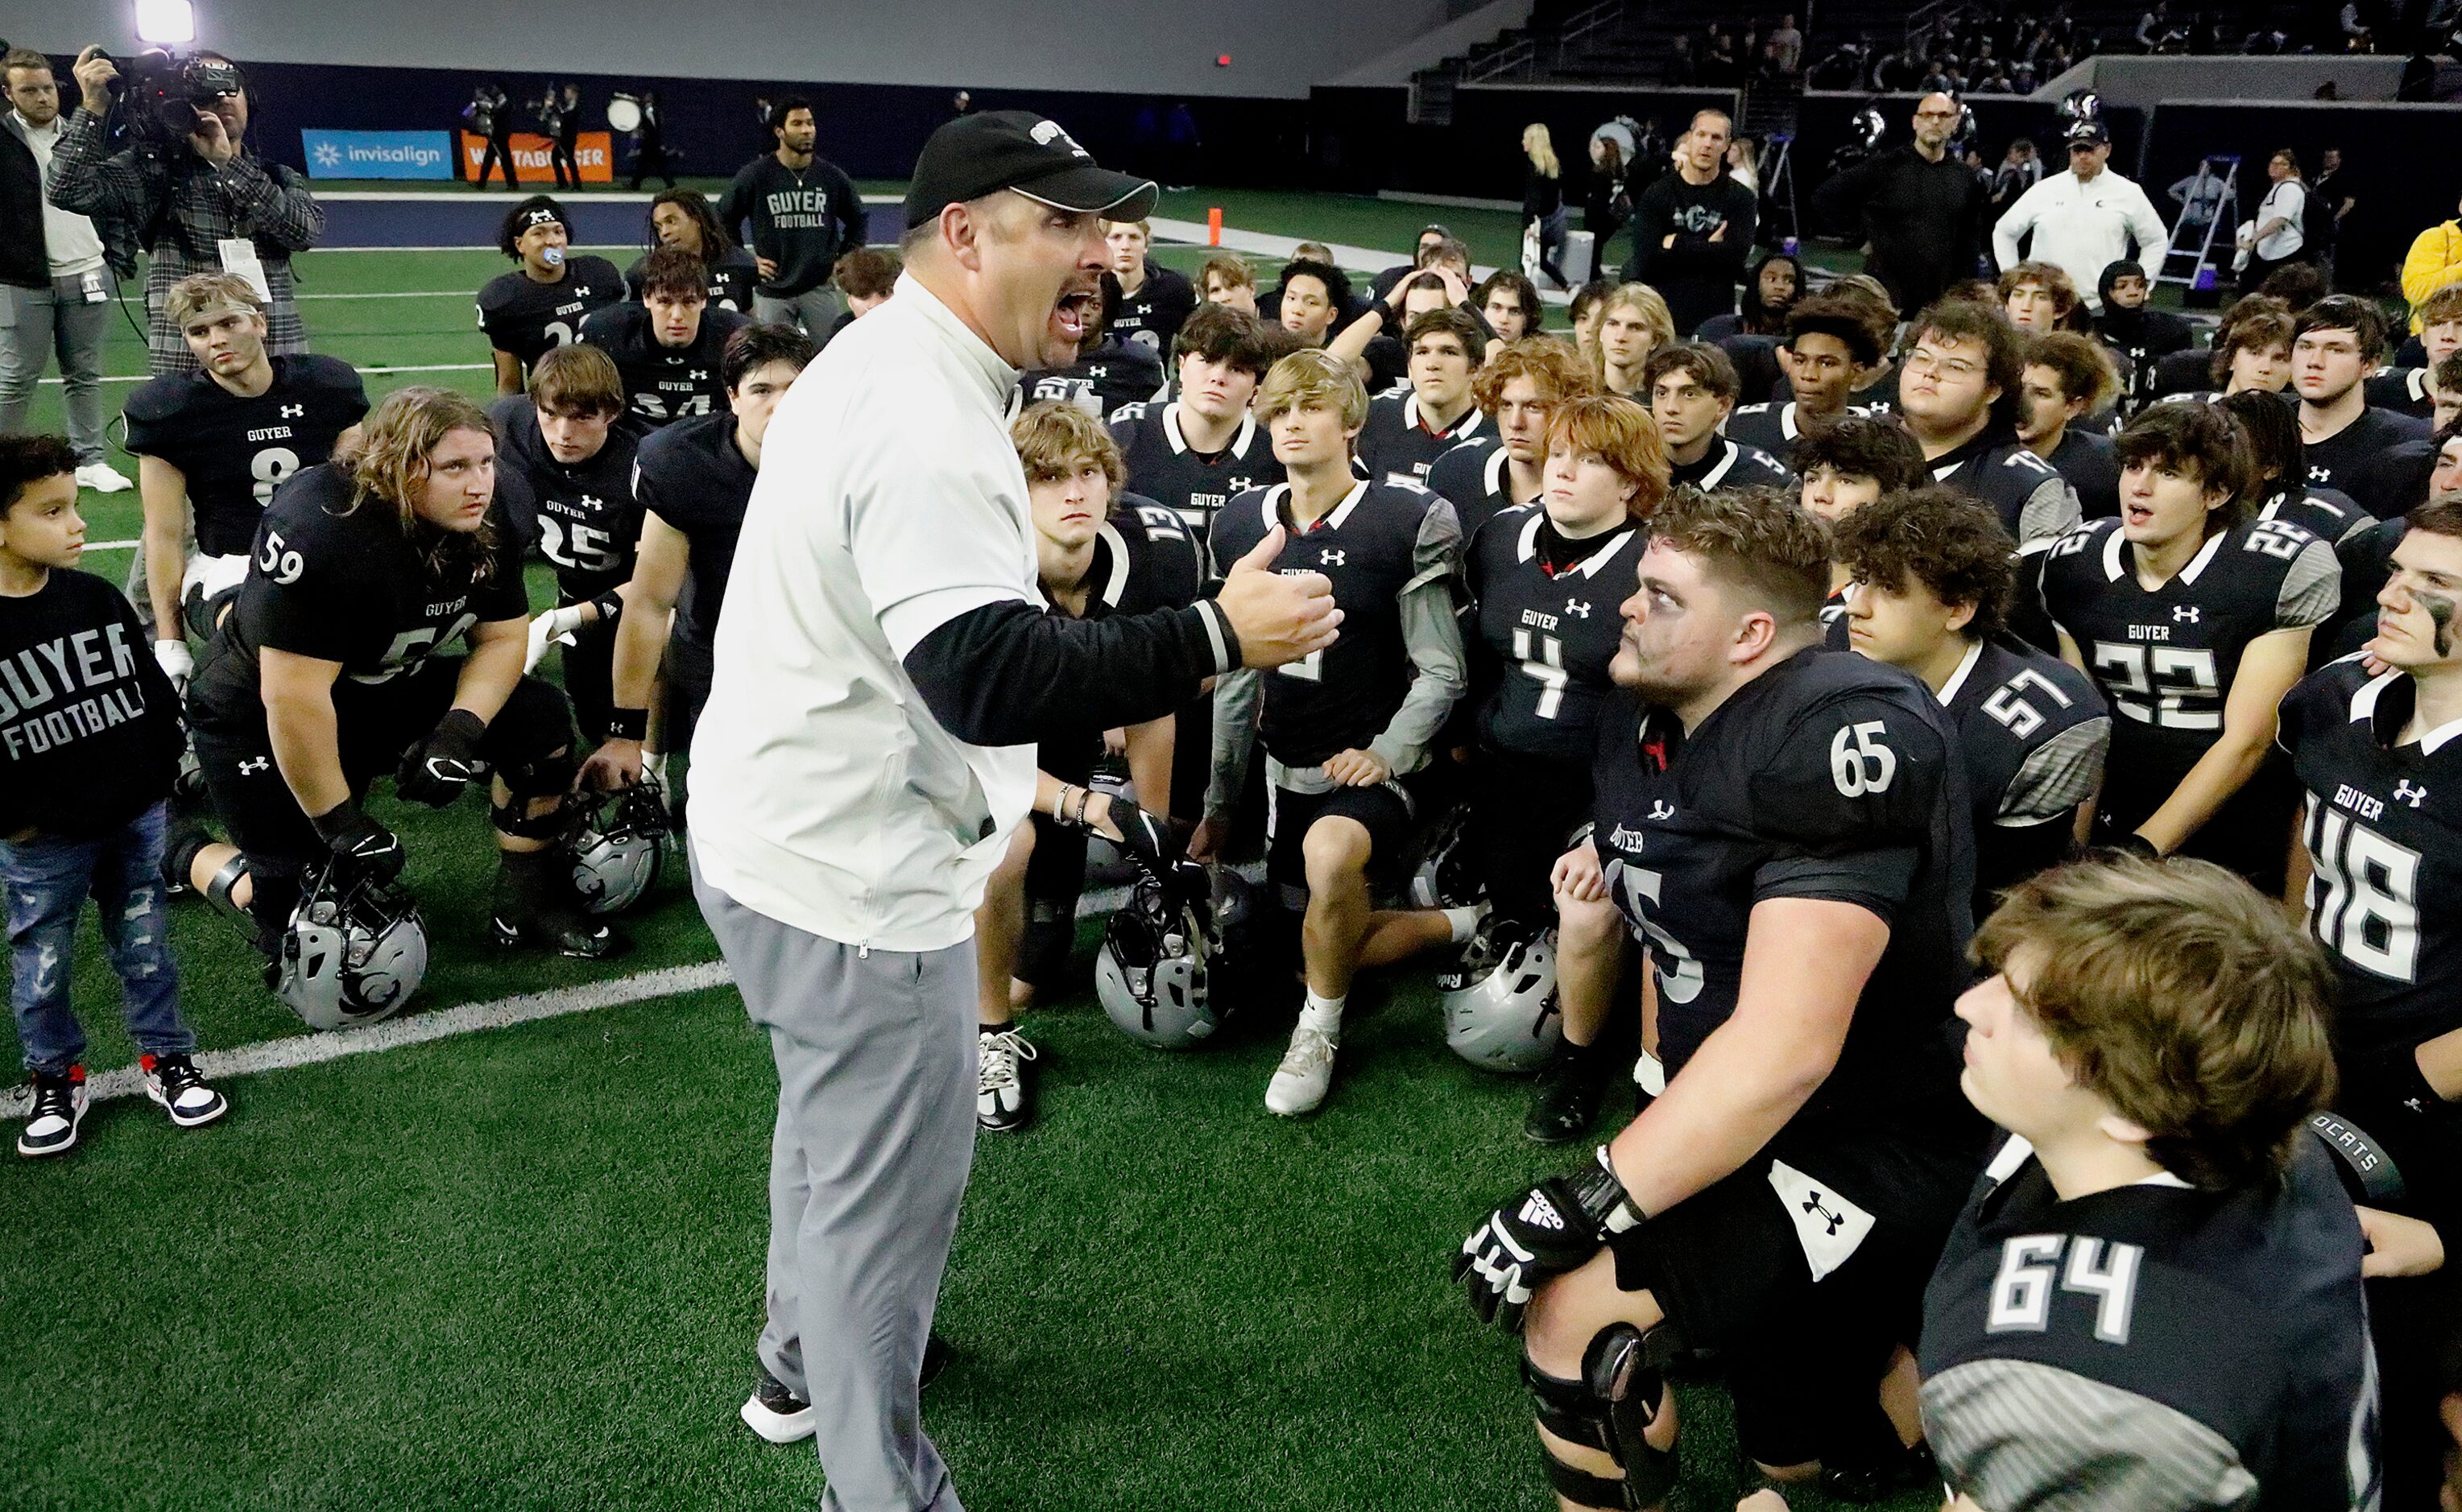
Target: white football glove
{"points": [[555, 625], [177, 664]]}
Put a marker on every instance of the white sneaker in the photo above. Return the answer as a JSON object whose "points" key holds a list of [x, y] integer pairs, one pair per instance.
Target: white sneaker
{"points": [[776, 1413], [1300, 1082], [103, 479]]}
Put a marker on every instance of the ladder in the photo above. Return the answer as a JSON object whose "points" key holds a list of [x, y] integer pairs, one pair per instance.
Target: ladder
{"points": [[2208, 216], [1780, 228]]}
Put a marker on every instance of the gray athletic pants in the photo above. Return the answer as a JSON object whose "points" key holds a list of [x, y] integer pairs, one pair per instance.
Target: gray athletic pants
{"points": [[37, 324], [817, 309], [876, 1052]]}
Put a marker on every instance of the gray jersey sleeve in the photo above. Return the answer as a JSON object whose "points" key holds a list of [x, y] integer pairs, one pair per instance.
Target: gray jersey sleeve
{"points": [[2051, 509], [2061, 774], [2311, 590], [2017, 1435], [1237, 700], [1432, 638]]}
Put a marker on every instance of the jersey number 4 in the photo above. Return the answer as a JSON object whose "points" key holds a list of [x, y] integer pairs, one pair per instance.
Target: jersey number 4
{"points": [[2362, 894], [2031, 1270], [1542, 657]]}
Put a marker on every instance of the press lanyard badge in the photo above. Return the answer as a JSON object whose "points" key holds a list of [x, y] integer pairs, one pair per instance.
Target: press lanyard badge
{"points": [[240, 259]]}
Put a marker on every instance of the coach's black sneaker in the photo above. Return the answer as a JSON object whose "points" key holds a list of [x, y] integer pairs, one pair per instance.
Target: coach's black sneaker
{"points": [[536, 908], [775, 1413], [1565, 1099], [1005, 1085], [60, 1102], [179, 1089]]}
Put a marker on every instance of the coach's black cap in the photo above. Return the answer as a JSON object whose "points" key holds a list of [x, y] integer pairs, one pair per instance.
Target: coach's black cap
{"points": [[2088, 134], [982, 154]]}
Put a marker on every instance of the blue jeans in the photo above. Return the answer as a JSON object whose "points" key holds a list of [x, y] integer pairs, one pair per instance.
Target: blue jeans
{"points": [[49, 879]]}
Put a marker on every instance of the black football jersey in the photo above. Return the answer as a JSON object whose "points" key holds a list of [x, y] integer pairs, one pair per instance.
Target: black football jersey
{"points": [[2034, 502], [1147, 320], [1476, 478], [1774, 427], [1730, 464], [2034, 732], [2153, 1345], [732, 281], [2084, 458], [2384, 834], [664, 383], [2366, 557], [2401, 391], [1143, 560], [1553, 632], [1826, 777], [2165, 657], [1102, 383], [1397, 446], [350, 587], [583, 516], [2328, 514], [1191, 483], [234, 451], [524, 317], [2345, 458], [1369, 546], [693, 476]]}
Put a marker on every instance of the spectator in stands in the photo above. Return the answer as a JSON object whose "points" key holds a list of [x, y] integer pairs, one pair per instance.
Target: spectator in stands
{"points": [[1917, 205], [53, 275], [2038, 298], [2329, 202], [1693, 229], [1226, 278], [2434, 259], [2083, 221], [1786, 46], [2277, 235], [2069, 377], [1543, 201], [187, 207], [804, 213]]}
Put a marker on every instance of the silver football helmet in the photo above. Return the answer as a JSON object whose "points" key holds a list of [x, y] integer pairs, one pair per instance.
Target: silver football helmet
{"points": [[620, 846], [355, 951], [1447, 876], [1500, 999], [1152, 975]]}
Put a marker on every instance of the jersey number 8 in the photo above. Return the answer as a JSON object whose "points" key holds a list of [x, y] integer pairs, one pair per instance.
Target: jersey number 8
{"points": [[269, 467]]}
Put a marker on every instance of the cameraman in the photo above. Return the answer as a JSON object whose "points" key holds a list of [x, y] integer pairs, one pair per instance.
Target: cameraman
{"points": [[201, 203]]}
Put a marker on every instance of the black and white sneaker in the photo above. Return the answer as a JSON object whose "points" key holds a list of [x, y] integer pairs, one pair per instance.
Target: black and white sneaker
{"points": [[1005, 1085], [775, 1413], [179, 1089], [60, 1103]]}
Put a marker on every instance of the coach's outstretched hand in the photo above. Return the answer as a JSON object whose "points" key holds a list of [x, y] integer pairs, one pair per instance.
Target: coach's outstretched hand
{"points": [[1280, 617]]}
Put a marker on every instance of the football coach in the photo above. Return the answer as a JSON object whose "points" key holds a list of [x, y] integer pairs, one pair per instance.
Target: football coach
{"points": [[883, 668]]}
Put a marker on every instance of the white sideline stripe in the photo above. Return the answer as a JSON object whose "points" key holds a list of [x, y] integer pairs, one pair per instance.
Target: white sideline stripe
{"points": [[424, 367], [112, 546], [308, 1049], [418, 1029]]}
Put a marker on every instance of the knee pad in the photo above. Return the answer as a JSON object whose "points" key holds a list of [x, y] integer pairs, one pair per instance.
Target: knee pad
{"points": [[218, 886], [1615, 1398]]}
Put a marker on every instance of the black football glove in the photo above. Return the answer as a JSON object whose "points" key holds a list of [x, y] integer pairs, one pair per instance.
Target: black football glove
{"points": [[435, 770], [1148, 838], [1545, 1231], [361, 842]]}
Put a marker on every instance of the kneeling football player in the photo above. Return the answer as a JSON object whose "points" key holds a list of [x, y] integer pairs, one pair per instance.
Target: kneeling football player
{"points": [[328, 672], [1091, 560], [1343, 725], [2153, 1298], [1783, 825]]}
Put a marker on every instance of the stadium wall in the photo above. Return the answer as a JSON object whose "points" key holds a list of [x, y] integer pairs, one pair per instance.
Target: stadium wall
{"points": [[1278, 48]]}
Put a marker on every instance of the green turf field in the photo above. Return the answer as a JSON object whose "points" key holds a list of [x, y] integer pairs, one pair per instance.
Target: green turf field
{"points": [[521, 1268]]}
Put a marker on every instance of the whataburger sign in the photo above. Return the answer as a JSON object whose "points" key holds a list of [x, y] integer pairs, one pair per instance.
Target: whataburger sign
{"points": [[592, 151]]}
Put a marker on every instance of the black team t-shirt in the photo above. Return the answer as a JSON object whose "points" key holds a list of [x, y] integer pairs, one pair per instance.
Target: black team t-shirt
{"points": [[803, 219], [89, 726]]}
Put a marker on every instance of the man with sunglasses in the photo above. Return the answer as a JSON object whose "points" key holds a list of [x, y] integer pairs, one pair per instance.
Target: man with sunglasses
{"points": [[2084, 220]]}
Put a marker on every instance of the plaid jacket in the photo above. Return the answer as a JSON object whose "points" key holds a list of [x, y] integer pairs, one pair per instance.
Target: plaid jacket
{"points": [[181, 209]]}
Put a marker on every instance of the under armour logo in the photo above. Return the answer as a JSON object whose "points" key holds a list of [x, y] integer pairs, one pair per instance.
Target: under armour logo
{"points": [[2404, 793], [1660, 808], [589, 501], [1577, 607], [256, 764], [1240, 485], [2317, 474], [1813, 1205], [1537, 1209], [582, 291], [699, 374], [1330, 558], [2187, 613], [292, 411]]}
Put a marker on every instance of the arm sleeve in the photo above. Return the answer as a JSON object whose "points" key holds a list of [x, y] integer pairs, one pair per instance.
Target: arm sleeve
{"points": [[732, 209], [1839, 204], [274, 202], [1237, 697], [2049, 512], [1001, 675], [853, 219], [1652, 221], [2311, 590], [1432, 638], [87, 179], [2015, 222], [2014, 1433], [2057, 776]]}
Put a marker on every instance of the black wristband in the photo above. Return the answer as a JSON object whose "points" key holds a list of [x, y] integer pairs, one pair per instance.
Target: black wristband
{"points": [[628, 724], [610, 605], [1605, 1201]]}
